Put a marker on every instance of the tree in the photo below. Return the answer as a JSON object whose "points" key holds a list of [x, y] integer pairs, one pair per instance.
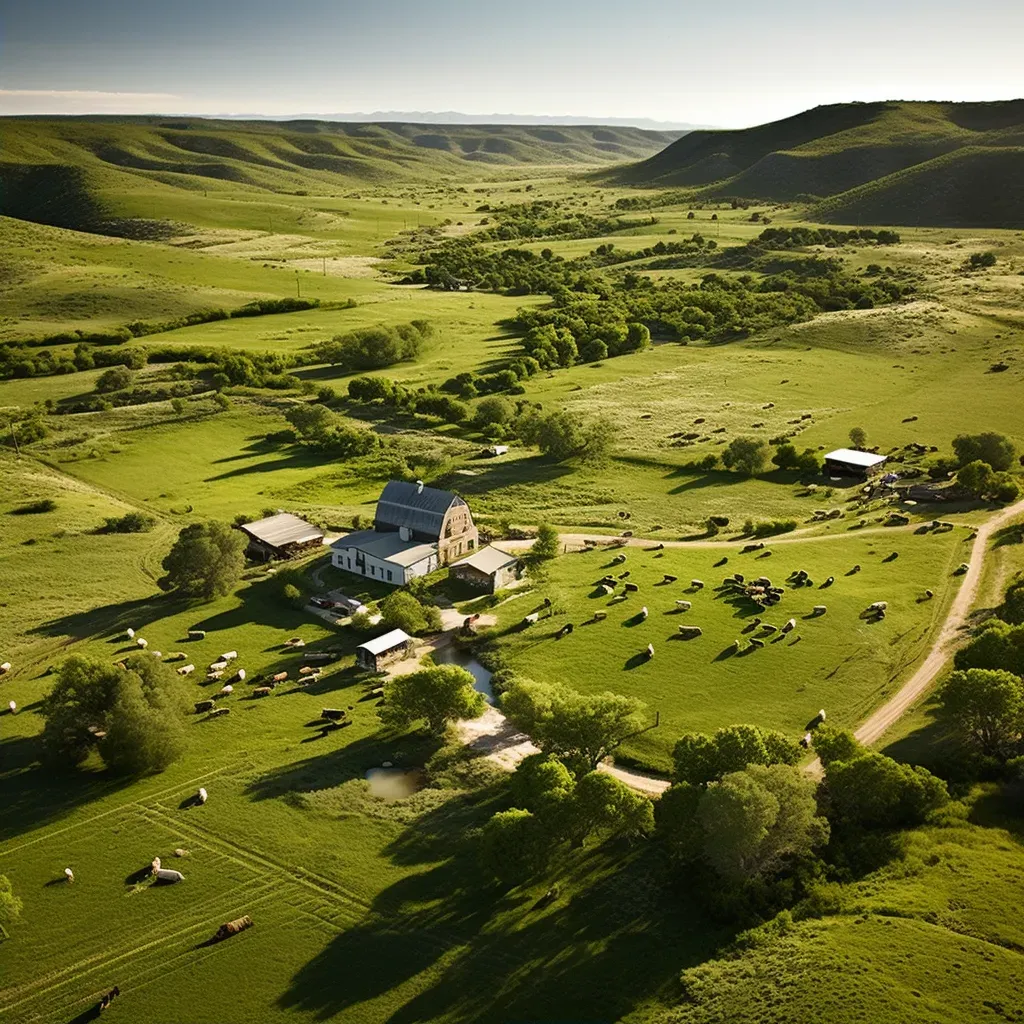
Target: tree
{"points": [[638, 337], [134, 716], [401, 610], [205, 561], [701, 760], [581, 729], [995, 449], [546, 544], [494, 411], [976, 478], [999, 645], [755, 819], [985, 709], [441, 694], [748, 455], [858, 437], [178, 406], [565, 435], [786, 457], [117, 378], [310, 420], [874, 791], [607, 806], [834, 744], [514, 846], [10, 905]]}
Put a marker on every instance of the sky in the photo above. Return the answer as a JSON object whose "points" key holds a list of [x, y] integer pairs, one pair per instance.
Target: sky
{"points": [[728, 64]]}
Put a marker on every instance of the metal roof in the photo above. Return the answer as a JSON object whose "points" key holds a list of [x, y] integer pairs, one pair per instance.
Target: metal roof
{"points": [[283, 529], [387, 642], [854, 458], [415, 506], [388, 547], [488, 560]]}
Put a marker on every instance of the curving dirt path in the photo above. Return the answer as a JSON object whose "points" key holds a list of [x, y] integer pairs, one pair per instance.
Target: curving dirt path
{"points": [[897, 705]]}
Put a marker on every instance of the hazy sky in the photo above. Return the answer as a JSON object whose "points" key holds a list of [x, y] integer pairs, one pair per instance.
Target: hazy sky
{"points": [[727, 63]]}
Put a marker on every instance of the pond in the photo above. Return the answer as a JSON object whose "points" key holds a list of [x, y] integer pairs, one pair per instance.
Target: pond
{"points": [[451, 655], [393, 784]]}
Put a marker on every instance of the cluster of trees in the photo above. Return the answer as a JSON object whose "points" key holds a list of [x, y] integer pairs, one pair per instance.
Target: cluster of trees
{"points": [[544, 218], [133, 716], [983, 462], [130, 522], [565, 435], [205, 561], [373, 348], [800, 237], [752, 455], [317, 426], [554, 346], [402, 609]]}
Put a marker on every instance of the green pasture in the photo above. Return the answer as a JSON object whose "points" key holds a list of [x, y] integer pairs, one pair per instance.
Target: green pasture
{"points": [[838, 661]]}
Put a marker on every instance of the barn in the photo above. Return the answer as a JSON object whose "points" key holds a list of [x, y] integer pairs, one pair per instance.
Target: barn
{"points": [[381, 650], [488, 569], [280, 536], [853, 463]]}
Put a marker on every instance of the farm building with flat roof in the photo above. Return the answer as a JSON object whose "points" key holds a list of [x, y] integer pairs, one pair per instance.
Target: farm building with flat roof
{"points": [[850, 462], [488, 569], [416, 529], [280, 536], [380, 650]]}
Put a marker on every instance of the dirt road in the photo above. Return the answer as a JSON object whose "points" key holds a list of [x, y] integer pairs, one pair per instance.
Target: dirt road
{"points": [[877, 724]]}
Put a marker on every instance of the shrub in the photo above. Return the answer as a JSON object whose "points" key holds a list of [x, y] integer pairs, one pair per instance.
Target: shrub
{"points": [[989, 447], [115, 379], [130, 522], [35, 507], [747, 455]]}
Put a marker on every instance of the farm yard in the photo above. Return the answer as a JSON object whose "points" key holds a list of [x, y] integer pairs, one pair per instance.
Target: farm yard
{"points": [[291, 338]]}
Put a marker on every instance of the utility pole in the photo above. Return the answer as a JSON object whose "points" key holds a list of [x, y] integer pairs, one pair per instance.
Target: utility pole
{"points": [[325, 266], [14, 437], [298, 285]]}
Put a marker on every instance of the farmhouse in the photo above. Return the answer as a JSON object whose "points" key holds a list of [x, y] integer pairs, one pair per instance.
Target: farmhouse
{"points": [[381, 650], [416, 529], [849, 462], [280, 536], [487, 569]]}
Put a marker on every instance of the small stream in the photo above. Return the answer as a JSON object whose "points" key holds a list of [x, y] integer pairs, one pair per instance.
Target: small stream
{"points": [[451, 655]]}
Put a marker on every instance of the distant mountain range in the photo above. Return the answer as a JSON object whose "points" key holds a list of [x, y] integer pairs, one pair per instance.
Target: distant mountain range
{"points": [[455, 117], [951, 164]]}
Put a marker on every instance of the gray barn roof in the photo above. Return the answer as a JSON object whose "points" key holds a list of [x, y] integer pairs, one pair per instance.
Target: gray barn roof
{"points": [[488, 560], [403, 504], [283, 529], [388, 547]]}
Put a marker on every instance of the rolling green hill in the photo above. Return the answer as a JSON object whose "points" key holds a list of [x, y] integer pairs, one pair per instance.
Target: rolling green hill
{"points": [[56, 171], [893, 162]]}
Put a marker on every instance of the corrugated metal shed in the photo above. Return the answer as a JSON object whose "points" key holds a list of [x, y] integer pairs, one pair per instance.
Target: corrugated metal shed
{"points": [[414, 506], [387, 642], [488, 560], [283, 529]]}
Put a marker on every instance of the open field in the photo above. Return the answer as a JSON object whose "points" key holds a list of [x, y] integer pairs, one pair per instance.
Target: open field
{"points": [[368, 910], [839, 661]]}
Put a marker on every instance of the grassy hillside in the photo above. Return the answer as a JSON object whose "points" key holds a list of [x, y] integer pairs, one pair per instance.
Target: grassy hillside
{"points": [[832, 149], [56, 171]]}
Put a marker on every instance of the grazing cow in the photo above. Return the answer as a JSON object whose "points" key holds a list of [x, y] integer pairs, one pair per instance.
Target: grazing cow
{"points": [[684, 606], [624, 575], [262, 691], [631, 588], [650, 651], [564, 631], [643, 612], [202, 795], [529, 620], [69, 876]]}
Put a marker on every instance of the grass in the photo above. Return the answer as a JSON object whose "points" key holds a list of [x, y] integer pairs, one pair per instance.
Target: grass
{"points": [[842, 662], [367, 911]]}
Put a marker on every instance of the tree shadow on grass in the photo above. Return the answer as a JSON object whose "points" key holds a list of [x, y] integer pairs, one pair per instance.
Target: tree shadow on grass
{"points": [[34, 795], [620, 937]]}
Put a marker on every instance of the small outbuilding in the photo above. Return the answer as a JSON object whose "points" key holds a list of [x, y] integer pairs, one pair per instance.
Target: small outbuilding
{"points": [[280, 536], [853, 463], [488, 569], [382, 650]]}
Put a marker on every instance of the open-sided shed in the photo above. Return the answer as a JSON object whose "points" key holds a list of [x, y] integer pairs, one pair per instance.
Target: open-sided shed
{"points": [[376, 653], [280, 536], [851, 462]]}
